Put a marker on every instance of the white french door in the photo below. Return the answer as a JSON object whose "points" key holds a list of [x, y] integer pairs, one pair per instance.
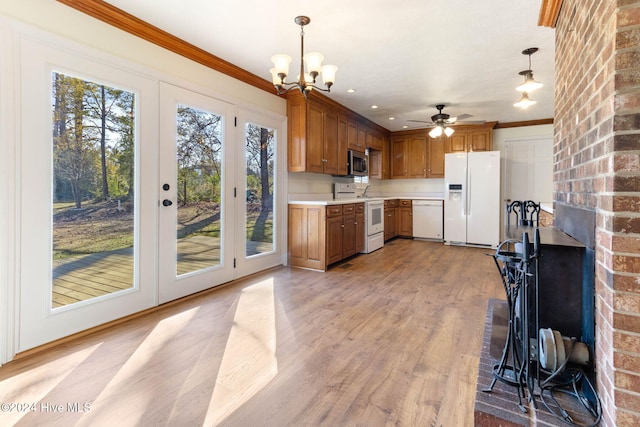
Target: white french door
{"points": [[220, 179], [134, 192], [196, 234], [88, 162]]}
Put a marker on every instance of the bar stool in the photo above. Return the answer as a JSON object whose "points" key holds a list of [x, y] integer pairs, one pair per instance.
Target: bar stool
{"points": [[515, 208], [530, 213]]}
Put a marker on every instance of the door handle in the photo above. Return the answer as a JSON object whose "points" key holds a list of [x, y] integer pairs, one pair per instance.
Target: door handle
{"points": [[167, 202]]}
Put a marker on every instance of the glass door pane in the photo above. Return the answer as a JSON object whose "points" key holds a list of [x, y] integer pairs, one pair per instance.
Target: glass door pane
{"points": [[199, 165], [259, 183], [93, 202]]}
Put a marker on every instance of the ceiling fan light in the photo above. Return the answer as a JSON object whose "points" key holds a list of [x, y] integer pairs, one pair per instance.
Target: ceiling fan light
{"points": [[448, 131], [524, 101], [329, 74], [281, 63], [435, 132], [313, 60]]}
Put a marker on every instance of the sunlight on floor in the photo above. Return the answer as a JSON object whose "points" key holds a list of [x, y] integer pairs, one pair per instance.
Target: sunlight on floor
{"points": [[249, 360], [23, 389], [139, 394]]}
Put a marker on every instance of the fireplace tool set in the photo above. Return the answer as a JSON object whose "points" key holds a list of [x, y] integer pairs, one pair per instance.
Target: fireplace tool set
{"points": [[539, 362]]}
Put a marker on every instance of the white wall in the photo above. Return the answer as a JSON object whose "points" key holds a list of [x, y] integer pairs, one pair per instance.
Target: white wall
{"points": [[526, 132]]}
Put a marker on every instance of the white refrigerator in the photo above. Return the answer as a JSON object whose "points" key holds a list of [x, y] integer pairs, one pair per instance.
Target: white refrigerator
{"points": [[472, 198]]}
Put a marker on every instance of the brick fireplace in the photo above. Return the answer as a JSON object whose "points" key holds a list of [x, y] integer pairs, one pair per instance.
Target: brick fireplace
{"points": [[597, 169]]}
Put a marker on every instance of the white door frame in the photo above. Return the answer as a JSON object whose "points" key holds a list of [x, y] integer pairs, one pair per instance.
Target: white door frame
{"points": [[8, 217]]}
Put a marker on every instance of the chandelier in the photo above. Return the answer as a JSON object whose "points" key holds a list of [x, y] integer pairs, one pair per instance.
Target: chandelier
{"points": [[313, 60], [530, 84]]}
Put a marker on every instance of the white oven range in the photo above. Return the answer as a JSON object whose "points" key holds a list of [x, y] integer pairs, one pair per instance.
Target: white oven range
{"points": [[374, 228]]}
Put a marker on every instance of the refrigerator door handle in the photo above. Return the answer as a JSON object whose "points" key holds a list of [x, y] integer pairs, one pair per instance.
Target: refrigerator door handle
{"points": [[467, 208]]}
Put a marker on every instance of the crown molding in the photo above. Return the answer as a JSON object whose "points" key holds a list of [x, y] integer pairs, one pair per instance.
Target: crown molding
{"points": [[524, 123], [549, 11]]}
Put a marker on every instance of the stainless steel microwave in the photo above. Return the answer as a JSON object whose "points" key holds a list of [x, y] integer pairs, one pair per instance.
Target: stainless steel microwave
{"points": [[357, 163]]}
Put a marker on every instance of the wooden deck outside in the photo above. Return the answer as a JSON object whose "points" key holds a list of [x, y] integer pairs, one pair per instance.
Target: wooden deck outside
{"points": [[88, 276]]}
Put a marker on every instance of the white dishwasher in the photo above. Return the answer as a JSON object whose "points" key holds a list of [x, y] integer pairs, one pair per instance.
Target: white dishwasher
{"points": [[427, 219]]}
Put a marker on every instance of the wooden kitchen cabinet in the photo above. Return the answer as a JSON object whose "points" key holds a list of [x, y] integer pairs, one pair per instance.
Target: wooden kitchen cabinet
{"points": [[313, 140], [356, 136], [374, 140], [330, 143], [334, 234], [348, 231], [307, 236], [386, 162], [343, 131], [435, 164], [405, 218], [471, 138], [379, 161], [375, 164], [360, 227], [409, 155], [322, 235], [480, 140], [390, 226]]}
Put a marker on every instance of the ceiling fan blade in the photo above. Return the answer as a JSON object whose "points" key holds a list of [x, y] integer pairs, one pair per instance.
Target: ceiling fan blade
{"points": [[422, 121], [471, 122], [461, 117]]}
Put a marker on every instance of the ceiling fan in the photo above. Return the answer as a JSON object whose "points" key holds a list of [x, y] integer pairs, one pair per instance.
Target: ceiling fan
{"points": [[442, 121]]}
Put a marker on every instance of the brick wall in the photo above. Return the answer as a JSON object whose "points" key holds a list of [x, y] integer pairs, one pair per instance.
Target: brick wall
{"points": [[597, 167]]}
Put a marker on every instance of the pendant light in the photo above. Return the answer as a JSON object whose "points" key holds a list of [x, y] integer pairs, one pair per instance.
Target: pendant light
{"points": [[525, 101], [313, 60], [530, 84]]}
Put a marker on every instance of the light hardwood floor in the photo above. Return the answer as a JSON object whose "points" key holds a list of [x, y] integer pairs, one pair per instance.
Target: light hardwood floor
{"points": [[388, 338]]}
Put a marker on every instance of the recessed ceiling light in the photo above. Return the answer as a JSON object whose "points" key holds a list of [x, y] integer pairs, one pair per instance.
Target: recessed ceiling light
{"points": [[392, 118], [351, 90], [404, 126], [374, 107]]}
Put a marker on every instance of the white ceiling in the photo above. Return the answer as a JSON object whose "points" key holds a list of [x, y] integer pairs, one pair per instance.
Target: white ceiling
{"points": [[405, 56]]}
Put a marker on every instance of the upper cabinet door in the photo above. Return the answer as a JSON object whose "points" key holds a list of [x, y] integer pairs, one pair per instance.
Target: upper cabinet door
{"points": [[314, 138]]}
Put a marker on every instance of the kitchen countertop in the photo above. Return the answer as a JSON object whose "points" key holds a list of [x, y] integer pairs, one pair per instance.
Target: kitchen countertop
{"points": [[328, 202]]}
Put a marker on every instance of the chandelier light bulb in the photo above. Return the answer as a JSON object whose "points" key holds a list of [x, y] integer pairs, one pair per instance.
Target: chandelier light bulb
{"points": [[313, 60], [329, 74], [281, 63]]}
